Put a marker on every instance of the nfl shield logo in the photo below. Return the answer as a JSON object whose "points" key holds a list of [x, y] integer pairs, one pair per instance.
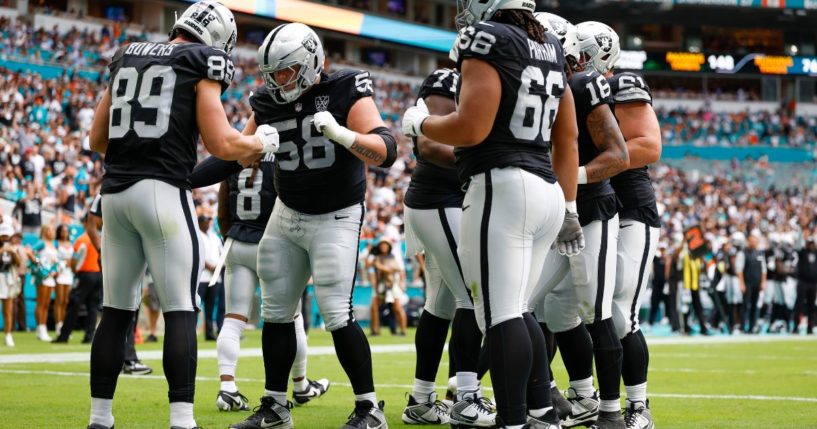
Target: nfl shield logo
{"points": [[299, 107], [322, 103]]}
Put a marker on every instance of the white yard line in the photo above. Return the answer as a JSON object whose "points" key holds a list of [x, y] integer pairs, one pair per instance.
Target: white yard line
{"points": [[66, 357], [409, 386]]}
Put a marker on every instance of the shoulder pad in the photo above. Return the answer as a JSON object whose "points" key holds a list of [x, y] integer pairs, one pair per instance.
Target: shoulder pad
{"points": [[442, 82], [262, 104], [351, 84], [629, 87], [213, 64], [480, 39]]}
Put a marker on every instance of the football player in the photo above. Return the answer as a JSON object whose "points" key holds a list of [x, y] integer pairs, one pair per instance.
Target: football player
{"points": [[245, 200], [513, 102], [330, 129], [433, 211], [584, 292], [161, 97], [639, 222]]}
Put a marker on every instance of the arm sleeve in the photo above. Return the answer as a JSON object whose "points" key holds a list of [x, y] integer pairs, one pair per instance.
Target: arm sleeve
{"points": [[211, 171]]}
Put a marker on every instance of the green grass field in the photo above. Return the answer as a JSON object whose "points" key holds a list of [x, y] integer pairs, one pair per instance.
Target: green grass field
{"points": [[703, 383]]}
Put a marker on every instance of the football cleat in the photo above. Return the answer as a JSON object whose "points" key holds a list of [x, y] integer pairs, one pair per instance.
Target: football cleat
{"points": [[9, 340], [472, 411], [608, 420], [549, 421], [179, 427], [560, 404], [231, 401], [314, 389], [433, 412], [270, 414], [367, 416], [637, 415], [136, 368], [583, 410], [98, 426]]}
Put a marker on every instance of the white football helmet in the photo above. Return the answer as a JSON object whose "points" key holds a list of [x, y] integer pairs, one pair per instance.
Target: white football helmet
{"points": [[470, 12], [211, 22], [291, 46], [600, 46], [566, 33]]}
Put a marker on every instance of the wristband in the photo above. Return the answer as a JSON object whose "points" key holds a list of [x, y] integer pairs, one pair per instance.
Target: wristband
{"points": [[582, 177]]}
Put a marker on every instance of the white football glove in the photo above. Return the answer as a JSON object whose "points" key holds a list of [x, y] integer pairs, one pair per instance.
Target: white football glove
{"points": [[331, 129], [570, 241], [268, 136], [413, 119]]}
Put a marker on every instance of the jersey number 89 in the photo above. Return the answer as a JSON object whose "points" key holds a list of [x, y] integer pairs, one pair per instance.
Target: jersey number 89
{"points": [[124, 90]]}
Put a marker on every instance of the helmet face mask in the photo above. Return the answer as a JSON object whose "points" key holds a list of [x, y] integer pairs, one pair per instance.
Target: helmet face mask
{"points": [[212, 23], [294, 48]]}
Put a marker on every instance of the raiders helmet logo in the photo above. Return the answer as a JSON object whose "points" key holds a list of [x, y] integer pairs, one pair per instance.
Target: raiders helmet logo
{"points": [[605, 42], [310, 45], [321, 103], [558, 27]]}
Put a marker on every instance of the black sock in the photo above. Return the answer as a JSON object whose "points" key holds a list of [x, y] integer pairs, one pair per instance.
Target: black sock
{"points": [[468, 340], [608, 354], [636, 359], [550, 340], [279, 346], [576, 348], [484, 364], [108, 351], [429, 342], [539, 380], [355, 357], [179, 356], [511, 360], [452, 354]]}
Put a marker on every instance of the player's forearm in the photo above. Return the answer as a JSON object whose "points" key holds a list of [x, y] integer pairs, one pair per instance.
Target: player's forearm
{"points": [[234, 146], [436, 153], [613, 157], [565, 165], [452, 130], [369, 148]]}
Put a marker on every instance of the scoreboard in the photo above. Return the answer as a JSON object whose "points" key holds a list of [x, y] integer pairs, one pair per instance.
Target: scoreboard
{"points": [[698, 62]]}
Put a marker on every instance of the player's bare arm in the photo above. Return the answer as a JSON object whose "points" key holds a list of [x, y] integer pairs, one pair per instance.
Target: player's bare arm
{"points": [[369, 147], [220, 139], [99, 128], [613, 157], [438, 154], [479, 102], [640, 128], [565, 141]]}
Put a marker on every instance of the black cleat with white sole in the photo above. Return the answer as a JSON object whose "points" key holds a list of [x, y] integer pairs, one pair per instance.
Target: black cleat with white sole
{"points": [[98, 426], [609, 420], [560, 404], [367, 416], [314, 389], [232, 401], [637, 415], [270, 414]]}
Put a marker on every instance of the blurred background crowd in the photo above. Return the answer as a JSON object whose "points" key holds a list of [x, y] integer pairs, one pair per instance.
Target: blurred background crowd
{"points": [[751, 207]]}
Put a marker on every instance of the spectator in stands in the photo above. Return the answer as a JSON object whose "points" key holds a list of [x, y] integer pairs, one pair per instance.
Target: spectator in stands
{"points": [[47, 264], [64, 276], [9, 284], [29, 209]]}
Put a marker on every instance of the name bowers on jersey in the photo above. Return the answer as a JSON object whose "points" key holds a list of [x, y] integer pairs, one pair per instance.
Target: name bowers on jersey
{"points": [[150, 49], [542, 51]]}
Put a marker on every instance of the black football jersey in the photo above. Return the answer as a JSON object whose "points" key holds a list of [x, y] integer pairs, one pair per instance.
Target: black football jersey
{"points": [[595, 201], [314, 175], [251, 193], [634, 187], [153, 131], [431, 186], [533, 81]]}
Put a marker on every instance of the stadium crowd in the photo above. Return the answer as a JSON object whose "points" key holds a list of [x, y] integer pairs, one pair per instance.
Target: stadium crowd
{"points": [[47, 167]]}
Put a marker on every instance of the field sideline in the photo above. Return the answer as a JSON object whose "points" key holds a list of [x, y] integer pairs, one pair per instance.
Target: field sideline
{"points": [[720, 382]]}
